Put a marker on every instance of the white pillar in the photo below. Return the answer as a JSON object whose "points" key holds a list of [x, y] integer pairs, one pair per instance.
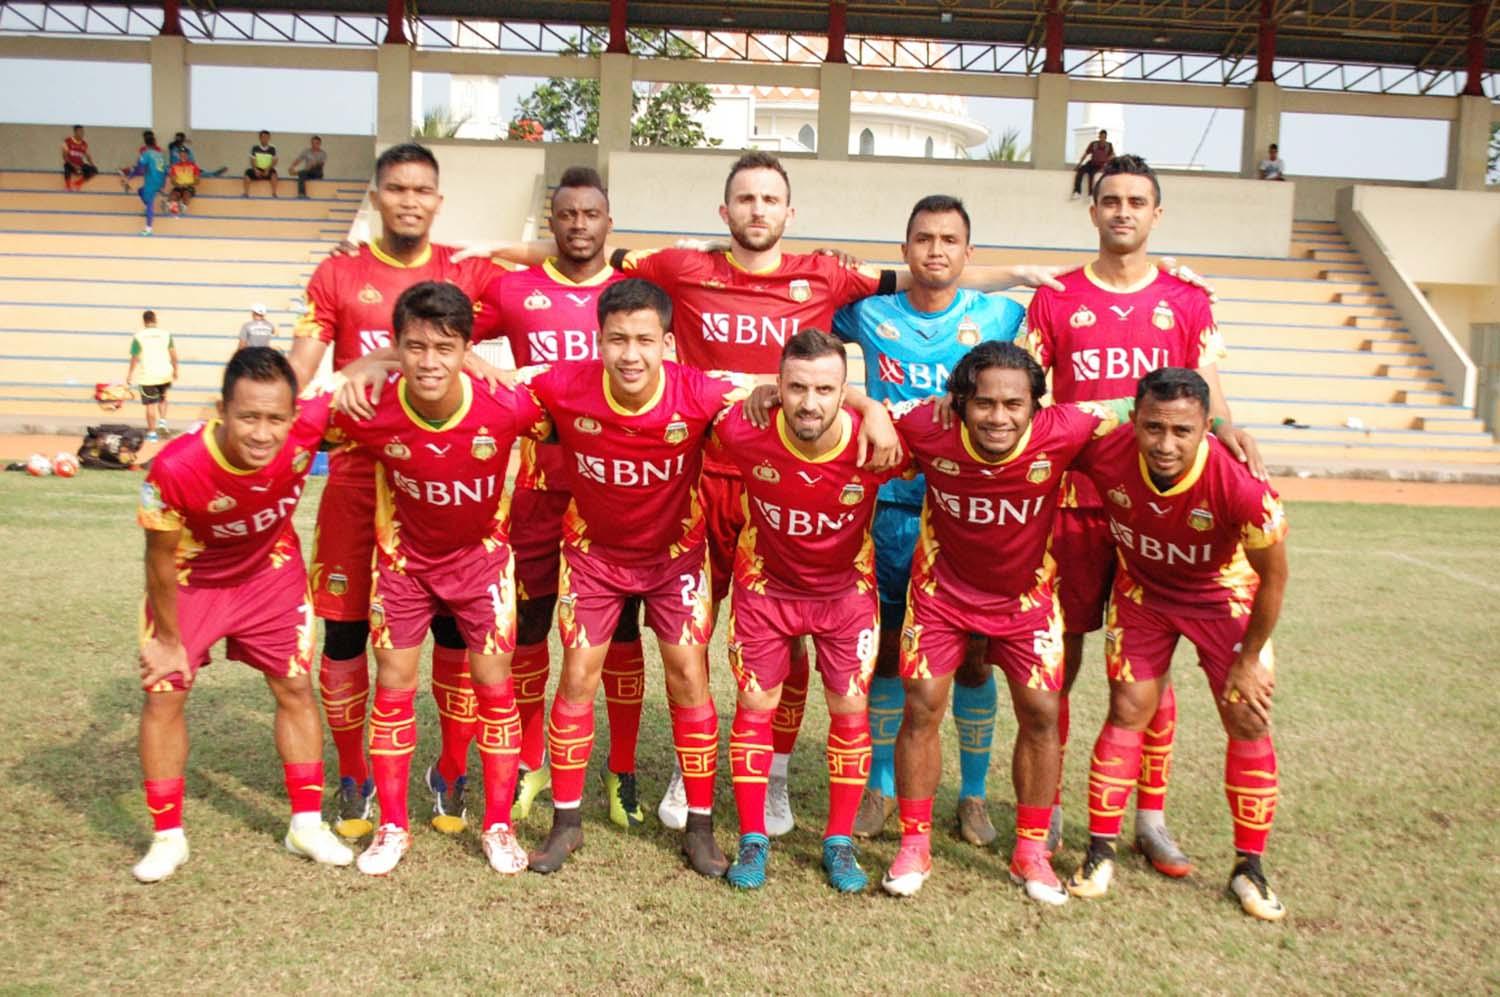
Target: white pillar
{"points": [[170, 92], [1262, 127], [1469, 144], [835, 87], [616, 79], [392, 95], [1049, 123]]}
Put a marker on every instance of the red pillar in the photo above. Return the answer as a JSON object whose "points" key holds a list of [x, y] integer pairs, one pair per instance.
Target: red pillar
{"points": [[1053, 62], [837, 10], [1265, 46], [1479, 12], [171, 17], [618, 43], [395, 22]]}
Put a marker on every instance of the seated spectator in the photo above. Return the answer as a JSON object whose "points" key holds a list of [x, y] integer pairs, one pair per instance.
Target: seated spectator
{"points": [[310, 161], [262, 164], [183, 174], [77, 161], [257, 331], [1273, 167], [180, 148], [1094, 157]]}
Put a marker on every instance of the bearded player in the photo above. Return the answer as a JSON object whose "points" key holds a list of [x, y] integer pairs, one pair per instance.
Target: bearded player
{"points": [[443, 444], [1201, 555], [804, 568], [349, 300], [1115, 320], [982, 566], [223, 562]]}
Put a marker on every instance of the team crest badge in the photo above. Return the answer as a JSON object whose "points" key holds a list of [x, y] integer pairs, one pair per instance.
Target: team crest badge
{"points": [[338, 584], [909, 640], [1119, 497], [945, 465], [1039, 471], [221, 503], [586, 425], [1082, 318], [377, 613], [853, 494], [150, 498], [536, 301], [767, 473], [369, 296], [887, 330], [1161, 316], [1201, 520], [677, 432], [968, 332], [799, 290], [483, 447], [396, 450], [300, 461]]}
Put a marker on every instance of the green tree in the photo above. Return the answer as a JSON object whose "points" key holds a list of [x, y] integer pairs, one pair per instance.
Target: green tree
{"points": [[1008, 149], [665, 114], [440, 122]]}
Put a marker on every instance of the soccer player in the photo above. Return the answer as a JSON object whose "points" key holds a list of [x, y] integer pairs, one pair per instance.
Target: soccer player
{"points": [[153, 355], [349, 299], [223, 562], [442, 545], [1201, 556], [911, 341], [76, 161], [804, 568], [184, 174], [982, 566], [1115, 320], [151, 166]]}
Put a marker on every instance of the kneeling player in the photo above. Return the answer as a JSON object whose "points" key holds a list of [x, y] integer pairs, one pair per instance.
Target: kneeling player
{"points": [[1202, 556], [223, 562], [804, 567], [982, 566]]}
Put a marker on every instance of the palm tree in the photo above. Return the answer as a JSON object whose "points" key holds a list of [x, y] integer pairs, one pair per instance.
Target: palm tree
{"points": [[439, 122], [1008, 148]]}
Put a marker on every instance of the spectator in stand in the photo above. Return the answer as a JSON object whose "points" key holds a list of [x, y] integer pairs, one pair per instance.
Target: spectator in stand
{"points": [[1273, 167], [257, 331], [311, 161], [153, 353], [262, 163], [1094, 157], [179, 149], [77, 161], [151, 166], [184, 175]]}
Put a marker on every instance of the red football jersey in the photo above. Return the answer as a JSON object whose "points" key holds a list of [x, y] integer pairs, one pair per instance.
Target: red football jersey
{"points": [[807, 532], [1182, 550], [75, 150], [441, 488], [986, 525], [1098, 342], [633, 475], [234, 523], [545, 317]]}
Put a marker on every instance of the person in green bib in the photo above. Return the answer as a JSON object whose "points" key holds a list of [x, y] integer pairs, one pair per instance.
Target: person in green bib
{"points": [[262, 164], [153, 366]]}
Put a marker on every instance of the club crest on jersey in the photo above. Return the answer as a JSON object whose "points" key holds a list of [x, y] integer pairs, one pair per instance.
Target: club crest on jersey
{"points": [[799, 290], [536, 301], [765, 472], [853, 494], [1039, 471], [150, 498], [1082, 318], [300, 460], [677, 431], [1162, 317], [1119, 497], [945, 465], [1201, 520], [338, 584], [968, 332], [377, 613], [396, 450], [221, 503], [483, 447], [888, 330], [369, 296], [586, 425]]}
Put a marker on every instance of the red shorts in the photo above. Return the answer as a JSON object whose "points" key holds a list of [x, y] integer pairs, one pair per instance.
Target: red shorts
{"points": [[1139, 641], [723, 503], [1085, 555], [536, 537], [344, 544], [475, 586], [593, 587], [266, 622], [1025, 643], [845, 636]]}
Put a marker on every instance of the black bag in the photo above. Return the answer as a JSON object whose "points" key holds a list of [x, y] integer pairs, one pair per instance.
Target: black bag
{"points": [[112, 446]]}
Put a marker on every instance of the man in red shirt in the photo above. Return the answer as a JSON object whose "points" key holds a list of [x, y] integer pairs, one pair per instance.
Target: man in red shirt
{"points": [[1201, 556], [349, 299], [76, 161], [1099, 152], [223, 562]]}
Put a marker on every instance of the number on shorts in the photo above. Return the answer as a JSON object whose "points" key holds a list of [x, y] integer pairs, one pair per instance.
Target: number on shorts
{"points": [[692, 588], [495, 599], [864, 646]]}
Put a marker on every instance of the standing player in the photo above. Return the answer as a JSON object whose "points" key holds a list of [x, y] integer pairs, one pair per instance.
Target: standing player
{"points": [[442, 544], [911, 341], [804, 568], [1202, 556], [349, 301], [224, 562], [151, 166], [1115, 320], [982, 566]]}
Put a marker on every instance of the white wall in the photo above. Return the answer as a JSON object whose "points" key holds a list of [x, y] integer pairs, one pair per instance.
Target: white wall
{"points": [[1437, 236], [490, 191]]}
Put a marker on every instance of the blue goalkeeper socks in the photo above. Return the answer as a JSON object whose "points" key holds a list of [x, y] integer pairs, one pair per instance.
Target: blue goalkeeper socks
{"points": [[974, 715], [887, 701]]}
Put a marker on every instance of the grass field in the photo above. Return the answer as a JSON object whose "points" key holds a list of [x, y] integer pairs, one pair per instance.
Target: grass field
{"points": [[1386, 849]]}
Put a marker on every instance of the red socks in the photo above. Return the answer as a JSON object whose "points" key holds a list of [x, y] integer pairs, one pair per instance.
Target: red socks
{"points": [[848, 768], [393, 738], [499, 748], [695, 734], [1062, 746], [304, 786], [345, 689], [1250, 785], [453, 691], [528, 670], [570, 740], [750, 766], [1156, 754], [1031, 828], [787, 723], [164, 800], [624, 688], [1112, 775], [916, 821]]}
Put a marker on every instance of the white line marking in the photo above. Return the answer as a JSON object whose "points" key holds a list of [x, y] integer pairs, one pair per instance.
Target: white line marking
{"points": [[1440, 569]]}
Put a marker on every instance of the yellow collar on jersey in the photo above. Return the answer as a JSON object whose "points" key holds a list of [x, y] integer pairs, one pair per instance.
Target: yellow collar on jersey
{"points": [[211, 440], [1187, 481], [549, 267], [1021, 445], [729, 255], [618, 409], [421, 422], [391, 261], [1140, 285], [846, 430]]}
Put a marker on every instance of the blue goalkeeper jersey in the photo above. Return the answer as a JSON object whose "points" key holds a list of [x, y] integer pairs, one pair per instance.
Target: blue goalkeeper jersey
{"points": [[909, 354]]}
